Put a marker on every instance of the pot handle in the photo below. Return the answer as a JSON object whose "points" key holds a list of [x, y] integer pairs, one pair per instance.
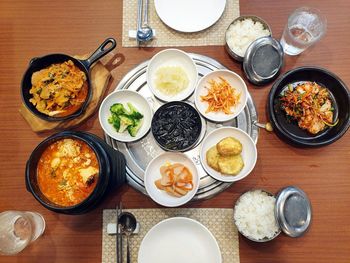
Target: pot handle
{"points": [[118, 171], [100, 52], [33, 60]]}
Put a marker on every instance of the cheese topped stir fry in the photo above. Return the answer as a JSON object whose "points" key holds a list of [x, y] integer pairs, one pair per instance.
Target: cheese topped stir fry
{"points": [[67, 172], [59, 90]]}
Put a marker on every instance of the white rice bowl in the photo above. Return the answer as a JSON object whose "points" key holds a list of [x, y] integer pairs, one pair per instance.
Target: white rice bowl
{"points": [[254, 216], [242, 33]]}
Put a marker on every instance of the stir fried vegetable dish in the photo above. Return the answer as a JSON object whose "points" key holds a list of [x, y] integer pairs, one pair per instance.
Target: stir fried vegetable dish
{"points": [[59, 90], [310, 105]]}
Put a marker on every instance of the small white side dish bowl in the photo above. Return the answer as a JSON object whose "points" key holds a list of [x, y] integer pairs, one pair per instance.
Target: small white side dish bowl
{"points": [[152, 174], [235, 81], [125, 96], [177, 58], [249, 152]]}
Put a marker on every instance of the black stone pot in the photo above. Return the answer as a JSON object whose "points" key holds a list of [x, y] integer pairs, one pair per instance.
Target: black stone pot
{"points": [[288, 130], [112, 172]]}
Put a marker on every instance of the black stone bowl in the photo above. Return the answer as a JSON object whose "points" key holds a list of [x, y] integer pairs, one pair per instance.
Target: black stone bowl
{"points": [[111, 175], [288, 130], [176, 126]]}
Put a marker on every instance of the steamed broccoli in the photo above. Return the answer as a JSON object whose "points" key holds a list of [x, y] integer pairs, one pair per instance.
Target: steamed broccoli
{"points": [[135, 128], [115, 121], [123, 119], [133, 113], [125, 122], [117, 108]]}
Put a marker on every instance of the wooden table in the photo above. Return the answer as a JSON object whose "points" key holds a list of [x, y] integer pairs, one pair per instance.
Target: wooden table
{"points": [[34, 28]]}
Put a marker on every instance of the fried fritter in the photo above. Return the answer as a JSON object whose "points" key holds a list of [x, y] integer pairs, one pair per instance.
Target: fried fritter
{"points": [[212, 158], [230, 165], [229, 146]]}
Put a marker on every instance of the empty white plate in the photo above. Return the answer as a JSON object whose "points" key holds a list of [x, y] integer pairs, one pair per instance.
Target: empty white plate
{"points": [[179, 239], [189, 15]]}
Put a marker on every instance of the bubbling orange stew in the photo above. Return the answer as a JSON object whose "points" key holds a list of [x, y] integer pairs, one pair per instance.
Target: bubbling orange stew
{"points": [[67, 172]]}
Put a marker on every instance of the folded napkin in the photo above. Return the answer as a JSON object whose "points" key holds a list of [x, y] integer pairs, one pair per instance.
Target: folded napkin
{"points": [[99, 77]]}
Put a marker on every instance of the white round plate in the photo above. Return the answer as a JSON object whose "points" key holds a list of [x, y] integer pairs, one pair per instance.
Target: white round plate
{"points": [[189, 15], [152, 174], [179, 239], [235, 81], [125, 96], [172, 57], [249, 152]]}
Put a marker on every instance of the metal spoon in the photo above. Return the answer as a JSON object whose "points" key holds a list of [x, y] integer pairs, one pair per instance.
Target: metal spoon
{"points": [[267, 126], [139, 19], [128, 224], [144, 31]]}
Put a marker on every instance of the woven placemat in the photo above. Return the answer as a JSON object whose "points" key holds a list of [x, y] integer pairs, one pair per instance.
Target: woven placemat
{"points": [[218, 221], [165, 36]]}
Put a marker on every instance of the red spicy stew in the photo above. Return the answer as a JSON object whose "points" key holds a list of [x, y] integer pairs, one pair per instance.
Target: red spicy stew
{"points": [[67, 172]]}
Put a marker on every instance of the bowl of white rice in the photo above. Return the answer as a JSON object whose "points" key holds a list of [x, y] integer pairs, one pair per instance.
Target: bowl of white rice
{"points": [[254, 216], [243, 31]]}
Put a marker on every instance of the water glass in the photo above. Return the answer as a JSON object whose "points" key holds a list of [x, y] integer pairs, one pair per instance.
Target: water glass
{"points": [[305, 27], [18, 229]]}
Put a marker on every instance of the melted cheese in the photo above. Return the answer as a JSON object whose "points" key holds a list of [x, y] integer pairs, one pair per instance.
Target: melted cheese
{"points": [[68, 148]]}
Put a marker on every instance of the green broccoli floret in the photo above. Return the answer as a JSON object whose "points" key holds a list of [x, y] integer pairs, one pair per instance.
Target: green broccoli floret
{"points": [[123, 119], [133, 113], [134, 128], [125, 122], [117, 109], [115, 121]]}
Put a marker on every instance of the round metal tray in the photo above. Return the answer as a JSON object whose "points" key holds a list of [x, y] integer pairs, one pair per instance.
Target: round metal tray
{"points": [[138, 154]]}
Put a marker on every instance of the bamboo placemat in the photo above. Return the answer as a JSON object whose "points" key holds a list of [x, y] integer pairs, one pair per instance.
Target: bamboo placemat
{"points": [[165, 36], [218, 221]]}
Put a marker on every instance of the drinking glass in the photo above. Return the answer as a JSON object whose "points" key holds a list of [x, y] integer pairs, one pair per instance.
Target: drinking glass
{"points": [[305, 27], [19, 229]]}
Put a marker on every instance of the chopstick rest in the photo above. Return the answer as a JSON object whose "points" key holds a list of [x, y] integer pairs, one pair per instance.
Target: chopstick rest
{"points": [[112, 229], [132, 33]]}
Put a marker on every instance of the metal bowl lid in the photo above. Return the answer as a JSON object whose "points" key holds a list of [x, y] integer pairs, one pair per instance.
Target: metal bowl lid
{"points": [[293, 211], [263, 60]]}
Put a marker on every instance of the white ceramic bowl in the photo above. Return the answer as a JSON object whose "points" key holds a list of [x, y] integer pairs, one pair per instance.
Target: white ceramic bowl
{"points": [[172, 57], [125, 96], [235, 81], [152, 174], [249, 152]]}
